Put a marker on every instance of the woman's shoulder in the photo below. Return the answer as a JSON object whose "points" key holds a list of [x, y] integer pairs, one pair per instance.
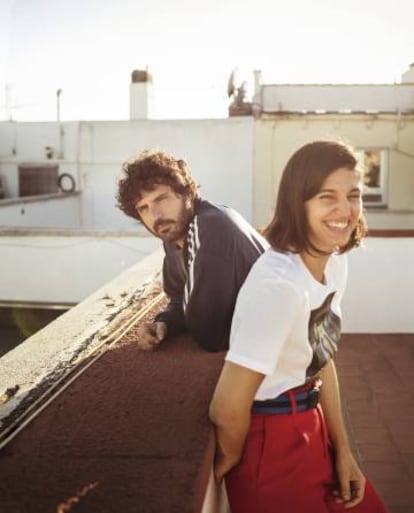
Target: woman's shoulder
{"points": [[274, 268], [278, 264], [337, 267], [272, 278]]}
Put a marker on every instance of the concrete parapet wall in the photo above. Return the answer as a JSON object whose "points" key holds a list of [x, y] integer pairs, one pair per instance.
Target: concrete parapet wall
{"points": [[65, 265], [380, 291], [72, 336]]}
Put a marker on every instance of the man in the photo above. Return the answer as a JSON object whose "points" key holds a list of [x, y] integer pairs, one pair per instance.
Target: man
{"points": [[209, 250]]}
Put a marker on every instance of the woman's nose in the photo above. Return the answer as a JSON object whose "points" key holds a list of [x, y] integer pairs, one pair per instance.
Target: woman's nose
{"points": [[344, 207]]}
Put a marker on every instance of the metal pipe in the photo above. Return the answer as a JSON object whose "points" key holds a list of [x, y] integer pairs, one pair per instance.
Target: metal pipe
{"points": [[60, 148]]}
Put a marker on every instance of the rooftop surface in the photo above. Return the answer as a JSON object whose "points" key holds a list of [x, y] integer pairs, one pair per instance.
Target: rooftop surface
{"points": [[377, 377], [130, 435], [144, 419]]}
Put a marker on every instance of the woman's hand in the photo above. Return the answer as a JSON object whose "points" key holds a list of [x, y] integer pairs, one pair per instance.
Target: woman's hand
{"points": [[351, 481], [222, 465], [230, 413]]}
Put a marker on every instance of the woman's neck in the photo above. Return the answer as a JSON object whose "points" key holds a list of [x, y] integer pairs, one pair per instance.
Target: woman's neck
{"points": [[316, 265]]}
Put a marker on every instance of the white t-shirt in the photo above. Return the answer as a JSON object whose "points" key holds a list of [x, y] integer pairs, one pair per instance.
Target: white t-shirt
{"points": [[286, 324]]}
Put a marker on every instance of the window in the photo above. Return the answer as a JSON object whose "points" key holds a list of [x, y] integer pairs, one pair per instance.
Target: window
{"points": [[375, 165]]}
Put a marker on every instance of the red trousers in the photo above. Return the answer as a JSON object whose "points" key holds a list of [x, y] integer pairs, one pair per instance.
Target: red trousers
{"points": [[287, 467]]}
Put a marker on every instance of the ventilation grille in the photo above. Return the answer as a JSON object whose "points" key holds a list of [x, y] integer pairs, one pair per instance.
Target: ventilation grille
{"points": [[38, 179]]}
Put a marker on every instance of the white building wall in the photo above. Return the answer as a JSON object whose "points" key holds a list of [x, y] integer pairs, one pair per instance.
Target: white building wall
{"points": [[26, 143], [62, 212], [337, 97], [380, 293], [65, 268], [278, 137], [219, 153], [27, 140]]}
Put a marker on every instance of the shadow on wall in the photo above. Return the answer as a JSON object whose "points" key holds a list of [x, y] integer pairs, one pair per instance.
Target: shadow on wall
{"points": [[18, 324]]}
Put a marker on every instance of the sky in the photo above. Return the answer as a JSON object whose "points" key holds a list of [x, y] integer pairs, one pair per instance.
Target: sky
{"points": [[88, 49]]}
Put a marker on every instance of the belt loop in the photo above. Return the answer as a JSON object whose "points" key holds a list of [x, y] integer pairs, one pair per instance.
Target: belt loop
{"points": [[292, 400]]}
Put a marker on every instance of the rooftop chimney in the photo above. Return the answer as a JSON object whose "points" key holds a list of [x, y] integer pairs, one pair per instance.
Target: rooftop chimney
{"points": [[140, 95], [257, 73], [408, 76]]}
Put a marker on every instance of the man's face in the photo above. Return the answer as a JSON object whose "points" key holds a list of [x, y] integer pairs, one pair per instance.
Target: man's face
{"points": [[165, 213]]}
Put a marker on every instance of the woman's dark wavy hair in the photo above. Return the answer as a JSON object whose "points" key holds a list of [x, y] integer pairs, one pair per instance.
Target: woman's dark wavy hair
{"points": [[302, 179], [150, 169]]}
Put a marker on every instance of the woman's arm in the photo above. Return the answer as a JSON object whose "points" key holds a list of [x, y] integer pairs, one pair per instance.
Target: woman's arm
{"points": [[230, 413], [350, 478]]}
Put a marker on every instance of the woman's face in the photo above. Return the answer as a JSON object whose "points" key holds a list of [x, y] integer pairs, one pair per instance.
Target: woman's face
{"points": [[333, 213]]}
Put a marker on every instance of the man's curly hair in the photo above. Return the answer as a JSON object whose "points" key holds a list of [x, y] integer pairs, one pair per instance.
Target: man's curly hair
{"points": [[149, 169]]}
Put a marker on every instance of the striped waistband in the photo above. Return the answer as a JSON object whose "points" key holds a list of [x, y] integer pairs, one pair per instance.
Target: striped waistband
{"points": [[291, 401]]}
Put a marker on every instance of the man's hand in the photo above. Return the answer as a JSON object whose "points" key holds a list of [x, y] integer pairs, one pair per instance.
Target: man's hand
{"points": [[151, 334]]}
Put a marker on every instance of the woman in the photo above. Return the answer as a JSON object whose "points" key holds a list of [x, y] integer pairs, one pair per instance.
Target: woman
{"points": [[281, 440]]}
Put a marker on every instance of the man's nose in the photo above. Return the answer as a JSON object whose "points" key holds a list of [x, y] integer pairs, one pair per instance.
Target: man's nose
{"points": [[155, 212]]}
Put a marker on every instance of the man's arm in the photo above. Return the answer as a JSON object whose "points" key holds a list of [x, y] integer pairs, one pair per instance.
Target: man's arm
{"points": [[216, 283], [170, 321], [173, 284]]}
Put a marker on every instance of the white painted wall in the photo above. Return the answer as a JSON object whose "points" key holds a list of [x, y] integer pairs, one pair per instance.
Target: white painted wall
{"points": [[337, 97], [63, 211], [219, 153], [27, 140], [58, 268], [66, 268], [380, 292], [278, 137]]}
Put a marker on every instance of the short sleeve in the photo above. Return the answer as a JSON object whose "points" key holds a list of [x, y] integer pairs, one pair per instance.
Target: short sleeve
{"points": [[263, 320], [337, 277]]}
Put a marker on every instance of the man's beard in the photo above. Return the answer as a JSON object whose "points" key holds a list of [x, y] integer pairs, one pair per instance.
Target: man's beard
{"points": [[177, 229]]}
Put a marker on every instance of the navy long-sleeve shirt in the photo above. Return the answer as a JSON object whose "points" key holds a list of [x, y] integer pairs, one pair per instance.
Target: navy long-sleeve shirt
{"points": [[203, 279]]}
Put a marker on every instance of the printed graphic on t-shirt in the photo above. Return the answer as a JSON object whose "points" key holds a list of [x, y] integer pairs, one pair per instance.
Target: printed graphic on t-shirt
{"points": [[324, 333]]}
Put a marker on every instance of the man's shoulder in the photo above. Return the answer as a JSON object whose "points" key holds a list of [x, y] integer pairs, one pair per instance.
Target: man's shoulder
{"points": [[211, 212], [223, 231], [220, 220]]}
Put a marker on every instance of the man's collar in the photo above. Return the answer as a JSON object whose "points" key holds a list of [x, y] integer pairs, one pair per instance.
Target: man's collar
{"points": [[196, 206]]}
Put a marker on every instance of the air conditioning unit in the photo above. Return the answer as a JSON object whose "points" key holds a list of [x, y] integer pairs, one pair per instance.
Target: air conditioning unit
{"points": [[35, 179]]}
